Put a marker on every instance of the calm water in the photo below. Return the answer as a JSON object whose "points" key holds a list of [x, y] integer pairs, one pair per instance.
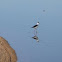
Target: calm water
{"points": [[16, 19]]}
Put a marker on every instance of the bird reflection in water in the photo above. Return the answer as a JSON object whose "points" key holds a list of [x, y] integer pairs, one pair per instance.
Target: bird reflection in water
{"points": [[36, 38]]}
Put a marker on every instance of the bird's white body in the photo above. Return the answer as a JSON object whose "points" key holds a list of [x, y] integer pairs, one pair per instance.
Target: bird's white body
{"points": [[37, 23]]}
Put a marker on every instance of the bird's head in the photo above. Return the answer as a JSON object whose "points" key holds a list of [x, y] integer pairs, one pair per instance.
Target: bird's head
{"points": [[38, 23]]}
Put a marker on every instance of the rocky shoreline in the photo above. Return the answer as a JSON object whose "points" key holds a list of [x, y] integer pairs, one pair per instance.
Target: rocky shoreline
{"points": [[7, 53]]}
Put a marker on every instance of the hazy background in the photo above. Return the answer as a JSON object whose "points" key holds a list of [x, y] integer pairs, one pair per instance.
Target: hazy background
{"points": [[16, 19]]}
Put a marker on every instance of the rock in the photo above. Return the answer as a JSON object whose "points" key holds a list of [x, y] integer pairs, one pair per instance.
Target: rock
{"points": [[7, 53]]}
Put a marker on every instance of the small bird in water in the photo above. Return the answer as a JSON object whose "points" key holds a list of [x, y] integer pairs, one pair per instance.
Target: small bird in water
{"points": [[43, 10], [36, 26]]}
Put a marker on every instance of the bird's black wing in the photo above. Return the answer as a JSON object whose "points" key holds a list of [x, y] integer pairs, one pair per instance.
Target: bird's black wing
{"points": [[34, 26]]}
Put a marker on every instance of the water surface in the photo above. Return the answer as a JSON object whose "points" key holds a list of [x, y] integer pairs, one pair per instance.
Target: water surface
{"points": [[16, 19]]}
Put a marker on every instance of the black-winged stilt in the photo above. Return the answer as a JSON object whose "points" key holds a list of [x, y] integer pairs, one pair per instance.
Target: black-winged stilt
{"points": [[36, 26]]}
